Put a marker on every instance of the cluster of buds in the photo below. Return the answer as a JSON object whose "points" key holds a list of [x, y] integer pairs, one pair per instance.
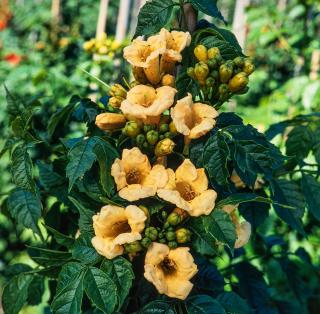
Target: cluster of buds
{"points": [[170, 234], [219, 78], [102, 46], [117, 94], [152, 138]]}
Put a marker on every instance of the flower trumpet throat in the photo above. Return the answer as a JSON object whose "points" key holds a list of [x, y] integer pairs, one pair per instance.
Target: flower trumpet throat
{"points": [[116, 226], [170, 270]]}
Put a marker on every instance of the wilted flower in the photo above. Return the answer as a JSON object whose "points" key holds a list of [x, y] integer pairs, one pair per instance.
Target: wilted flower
{"points": [[146, 55], [146, 103], [193, 120], [134, 176], [243, 229], [170, 270], [110, 121], [189, 190], [115, 226]]}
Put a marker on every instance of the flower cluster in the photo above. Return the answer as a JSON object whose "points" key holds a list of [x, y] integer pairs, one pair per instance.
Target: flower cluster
{"points": [[148, 113]]}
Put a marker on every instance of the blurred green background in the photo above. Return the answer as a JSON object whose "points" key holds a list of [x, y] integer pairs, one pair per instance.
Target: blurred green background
{"points": [[42, 55]]}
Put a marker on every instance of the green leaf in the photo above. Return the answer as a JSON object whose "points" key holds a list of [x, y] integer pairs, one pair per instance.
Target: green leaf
{"points": [[299, 142], [215, 227], [157, 307], [215, 157], [83, 250], [8, 145], [62, 116], [106, 155], [208, 7], [85, 220], [15, 293], [203, 304], [61, 238], [49, 179], [120, 271], [154, 15], [68, 299], [101, 289], [185, 84], [81, 157], [311, 191], [25, 208], [46, 257], [233, 303], [36, 290], [289, 203], [239, 198], [21, 168], [14, 105]]}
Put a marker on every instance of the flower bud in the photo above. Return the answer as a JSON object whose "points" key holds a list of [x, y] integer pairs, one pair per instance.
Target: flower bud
{"points": [[147, 128], [116, 101], [223, 89], [172, 244], [140, 139], [214, 74], [225, 72], [172, 128], [133, 247], [210, 82], [168, 80], [248, 67], [152, 137], [88, 45], [219, 59], [164, 214], [239, 61], [103, 50], [110, 121], [168, 135], [238, 82], [163, 128], [163, 241], [212, 63], [134, 83], [190, 72], [164, 147], [183, 235], [118, 90], [213, 52], [132, 128], [174, 219], [146, 242], [170, 235], [151, 233], [200, 53], [201, 71]]}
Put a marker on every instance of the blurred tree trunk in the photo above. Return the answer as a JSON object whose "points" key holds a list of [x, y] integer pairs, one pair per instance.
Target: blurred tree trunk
{"points": [[315, 65], [282, 5], [239, 21], [123, 19], [55, 11], [102, 19]]}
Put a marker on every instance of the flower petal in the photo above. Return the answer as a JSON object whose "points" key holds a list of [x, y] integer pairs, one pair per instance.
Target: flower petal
{"points": [[186, 172], [156, 253], [118, 174], [181, 115], [202, 128], [158, 177], [174, 197], [106, 247], [203, 204], [134, 192], [200, 184], [127, 237], [178, 288], [243, 234], [136, 218]]}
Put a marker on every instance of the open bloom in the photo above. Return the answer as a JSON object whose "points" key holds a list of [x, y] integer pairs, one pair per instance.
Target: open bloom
{"points": [[193, 120], [134, 176], [146, 103], [110, 121], [243, 229], [146, 55], [189, 190], [175, 43], [170, 270], [114, 226]]}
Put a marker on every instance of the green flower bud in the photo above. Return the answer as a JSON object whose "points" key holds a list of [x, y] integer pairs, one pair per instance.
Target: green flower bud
{"points": [[219, 59], [163, 241], [132, 129], [166, 225], [210, 82], [239, 61], [152, 137], [225, 72], [163, 128], [170, 229], [161, 137], [172, 128], [148, 127], [183, 235], [168, 135], [160, 235], [212, 63], [174, 219], [140, 140], [170, 235], [190, 72], [238, 82], [164, 147], [151, 233], [200, 53], [201, 71], [248, 67], [172, 244], [214, 74], [146, 242], [242, 91], [213, 52], [133, 247], [223, 90], [164, 214]]}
